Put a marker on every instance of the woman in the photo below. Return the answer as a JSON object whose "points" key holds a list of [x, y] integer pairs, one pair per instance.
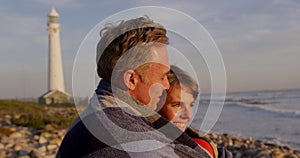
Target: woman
{"points": [[178, 108]]}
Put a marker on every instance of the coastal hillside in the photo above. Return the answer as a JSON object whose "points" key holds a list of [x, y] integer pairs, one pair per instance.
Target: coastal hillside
{"points": [[32, 130]]}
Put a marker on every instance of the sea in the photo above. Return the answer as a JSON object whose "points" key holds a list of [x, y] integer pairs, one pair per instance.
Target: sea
{"points": [[270, 116]]}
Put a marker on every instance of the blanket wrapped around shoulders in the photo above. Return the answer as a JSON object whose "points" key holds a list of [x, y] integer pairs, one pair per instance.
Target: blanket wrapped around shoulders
{"points": [[115, 125]]}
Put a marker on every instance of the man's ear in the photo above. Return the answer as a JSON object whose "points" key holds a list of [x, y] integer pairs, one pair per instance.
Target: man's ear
{"points": [[130, 79]]}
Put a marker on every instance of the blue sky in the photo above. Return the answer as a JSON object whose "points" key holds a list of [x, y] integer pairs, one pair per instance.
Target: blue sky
{"points": [[259, 39]]}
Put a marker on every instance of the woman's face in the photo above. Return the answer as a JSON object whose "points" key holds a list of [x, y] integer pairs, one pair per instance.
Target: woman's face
{"points": [[178, 107]]}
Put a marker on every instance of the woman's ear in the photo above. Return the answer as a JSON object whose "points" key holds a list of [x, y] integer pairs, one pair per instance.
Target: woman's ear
{"points": [[130, 79]]}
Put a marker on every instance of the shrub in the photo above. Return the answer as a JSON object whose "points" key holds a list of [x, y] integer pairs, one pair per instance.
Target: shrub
{"points": [[38, 116]]}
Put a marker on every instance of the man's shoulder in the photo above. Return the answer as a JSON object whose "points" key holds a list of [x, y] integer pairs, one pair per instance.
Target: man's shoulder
{"points": [[125, 119], [79, 141]]}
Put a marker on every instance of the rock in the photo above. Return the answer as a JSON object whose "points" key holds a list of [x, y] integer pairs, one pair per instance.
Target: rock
{"points": [[9, 145], [61, 133], [4, 139], [263, 153], [238, 155], [7, 117], [35, 154], [46, 135], [259, 144], [251, 152], [297, 153], [51, 147], [23, 140], [230, 142], [24, 156], [2, 146], [49, 128], [13, 129], [285, 148], [277, 154], [213, 135], [3, 153], [7, 122], [25, 132], [50, 156], [55, 141], [16, 135], [17, 147], [290, 156], [42, 149], [250, 139], [17, 116], [36, 137], [23, 152], [13, 154], [42, 140]]}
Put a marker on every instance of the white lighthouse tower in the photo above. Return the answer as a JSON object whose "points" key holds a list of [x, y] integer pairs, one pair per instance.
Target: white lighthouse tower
{"points": [[56, 77], [56, 88]]}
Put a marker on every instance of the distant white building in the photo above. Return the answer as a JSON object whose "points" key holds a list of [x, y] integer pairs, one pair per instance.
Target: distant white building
{"points": [[56, 88]]}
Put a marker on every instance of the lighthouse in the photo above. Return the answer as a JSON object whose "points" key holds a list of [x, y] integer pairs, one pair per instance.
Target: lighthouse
{"points": [[56, 88]]}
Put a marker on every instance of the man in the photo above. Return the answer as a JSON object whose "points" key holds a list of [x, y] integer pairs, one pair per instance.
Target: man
{"points": [[132, 60]]}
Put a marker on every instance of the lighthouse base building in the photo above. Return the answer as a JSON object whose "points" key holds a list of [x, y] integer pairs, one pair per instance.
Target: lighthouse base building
{"points": [[54, 97]]}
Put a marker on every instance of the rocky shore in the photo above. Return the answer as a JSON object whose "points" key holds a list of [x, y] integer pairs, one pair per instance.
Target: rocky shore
{"points": [[250, 148], [25, 142], [28, 142]]}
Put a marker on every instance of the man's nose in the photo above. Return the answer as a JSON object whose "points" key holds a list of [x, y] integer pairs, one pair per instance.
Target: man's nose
{"points": [[166, 83]]}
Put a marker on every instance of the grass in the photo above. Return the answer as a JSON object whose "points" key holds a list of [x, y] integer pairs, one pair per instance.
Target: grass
{"points": [[38, 116]]}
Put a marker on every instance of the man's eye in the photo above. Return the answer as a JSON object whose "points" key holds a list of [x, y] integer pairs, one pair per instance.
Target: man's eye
{"points": [[164, 77], [176, 105]]}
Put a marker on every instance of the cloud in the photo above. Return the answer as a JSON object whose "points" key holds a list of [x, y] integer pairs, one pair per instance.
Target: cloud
{"points": [[23, 42], [21, 31], [59, 3], [288, 3], [201, 10]]}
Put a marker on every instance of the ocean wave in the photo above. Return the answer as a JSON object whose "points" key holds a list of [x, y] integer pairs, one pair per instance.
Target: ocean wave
{"points": [[266, 106]]}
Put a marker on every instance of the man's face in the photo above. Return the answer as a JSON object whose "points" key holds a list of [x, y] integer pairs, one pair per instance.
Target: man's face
{"points": [[149, 90], [178, 107]]}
